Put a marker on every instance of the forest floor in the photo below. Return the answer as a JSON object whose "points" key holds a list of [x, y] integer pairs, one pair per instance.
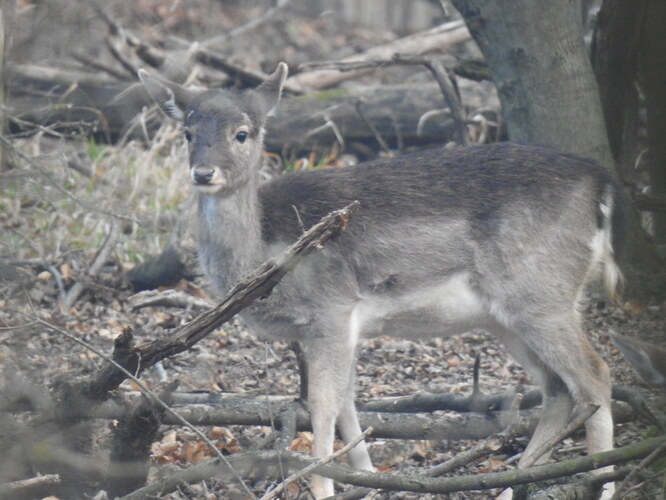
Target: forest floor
{"points": [[53, 219]]}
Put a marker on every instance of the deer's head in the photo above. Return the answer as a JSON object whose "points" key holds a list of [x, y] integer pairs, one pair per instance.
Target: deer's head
{"points": [[224, 128]]}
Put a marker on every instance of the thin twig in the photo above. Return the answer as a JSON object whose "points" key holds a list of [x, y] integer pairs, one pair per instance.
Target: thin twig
{"points": [[443, 79], [100, 259], [167, 298], [574, 423], [489, 445], [94, 63], [642, 465], [252, 24], [382, 143], [311, 468], [348, 65]]}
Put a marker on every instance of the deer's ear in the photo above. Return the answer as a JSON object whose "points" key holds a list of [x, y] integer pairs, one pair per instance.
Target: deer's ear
{"points": [[270, 91], [169, 96]]}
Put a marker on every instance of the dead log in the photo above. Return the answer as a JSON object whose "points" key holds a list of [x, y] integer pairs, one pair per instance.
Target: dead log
{"points": [[68, 100], [265, 464], [394, 110], [440, 38], [394, 425]]}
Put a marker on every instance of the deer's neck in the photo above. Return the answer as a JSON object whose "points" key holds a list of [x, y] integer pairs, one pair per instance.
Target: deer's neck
{"points": [[230, 243]]}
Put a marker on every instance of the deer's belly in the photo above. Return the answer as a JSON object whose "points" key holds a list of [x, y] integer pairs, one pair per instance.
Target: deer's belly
{"points": [[447, 308]]}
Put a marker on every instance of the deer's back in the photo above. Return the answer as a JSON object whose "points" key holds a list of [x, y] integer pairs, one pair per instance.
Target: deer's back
{"points": [[479, 185]]}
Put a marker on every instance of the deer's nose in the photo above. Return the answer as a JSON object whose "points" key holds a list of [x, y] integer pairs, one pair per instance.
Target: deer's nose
{"points": [[203, 175]]}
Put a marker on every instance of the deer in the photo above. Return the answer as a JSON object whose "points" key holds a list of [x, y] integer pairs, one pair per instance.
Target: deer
{"points": [[503, 237]]}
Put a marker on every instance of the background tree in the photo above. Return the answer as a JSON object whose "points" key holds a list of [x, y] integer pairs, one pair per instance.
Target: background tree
{"points": [[629, 59], [542, 72]]}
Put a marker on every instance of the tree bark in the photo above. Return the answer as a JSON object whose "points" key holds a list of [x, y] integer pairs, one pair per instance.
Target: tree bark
{"points": [[535, 51], [625, 52], [614, 57], [652, 80], [3, 87]]}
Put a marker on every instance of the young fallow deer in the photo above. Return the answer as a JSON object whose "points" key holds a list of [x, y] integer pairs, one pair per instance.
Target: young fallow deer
{"points": [[501, 237]]}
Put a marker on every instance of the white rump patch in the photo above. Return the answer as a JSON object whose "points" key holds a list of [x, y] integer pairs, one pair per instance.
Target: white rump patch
{"points": [[602, 250]]}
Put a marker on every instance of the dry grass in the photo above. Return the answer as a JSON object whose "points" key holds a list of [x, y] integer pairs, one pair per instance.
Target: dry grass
{"points": [[48, 208]]}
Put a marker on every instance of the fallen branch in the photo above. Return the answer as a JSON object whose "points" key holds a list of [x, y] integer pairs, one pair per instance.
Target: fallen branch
{"points": [[577, 419], [264, 464], [646, 462], [26, 486], [98, 262], [439, 38], [314, 466], [435, 426], [259, 284], [426, 402], [414, 403]]}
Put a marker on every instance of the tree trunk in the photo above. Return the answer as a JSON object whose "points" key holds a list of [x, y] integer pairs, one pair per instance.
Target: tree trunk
{"points": [[614, 56], [3, 17], [629, 48], [652, 80], [535, 51]]}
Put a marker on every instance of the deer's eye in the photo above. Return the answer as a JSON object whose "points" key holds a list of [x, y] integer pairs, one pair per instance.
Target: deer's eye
{"points": [[188, 136], [241, 136]]}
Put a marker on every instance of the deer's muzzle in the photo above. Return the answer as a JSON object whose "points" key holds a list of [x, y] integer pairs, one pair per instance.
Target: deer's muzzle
{"points": [[203, 175]]}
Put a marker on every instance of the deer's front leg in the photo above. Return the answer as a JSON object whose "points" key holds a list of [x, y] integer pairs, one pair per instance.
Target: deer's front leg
{"points": [[329, 362]]}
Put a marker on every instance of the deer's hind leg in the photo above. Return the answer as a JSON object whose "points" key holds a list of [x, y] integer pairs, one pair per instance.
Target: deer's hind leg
{"points": [[554, 349], [565, 352], [558, 404]]}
